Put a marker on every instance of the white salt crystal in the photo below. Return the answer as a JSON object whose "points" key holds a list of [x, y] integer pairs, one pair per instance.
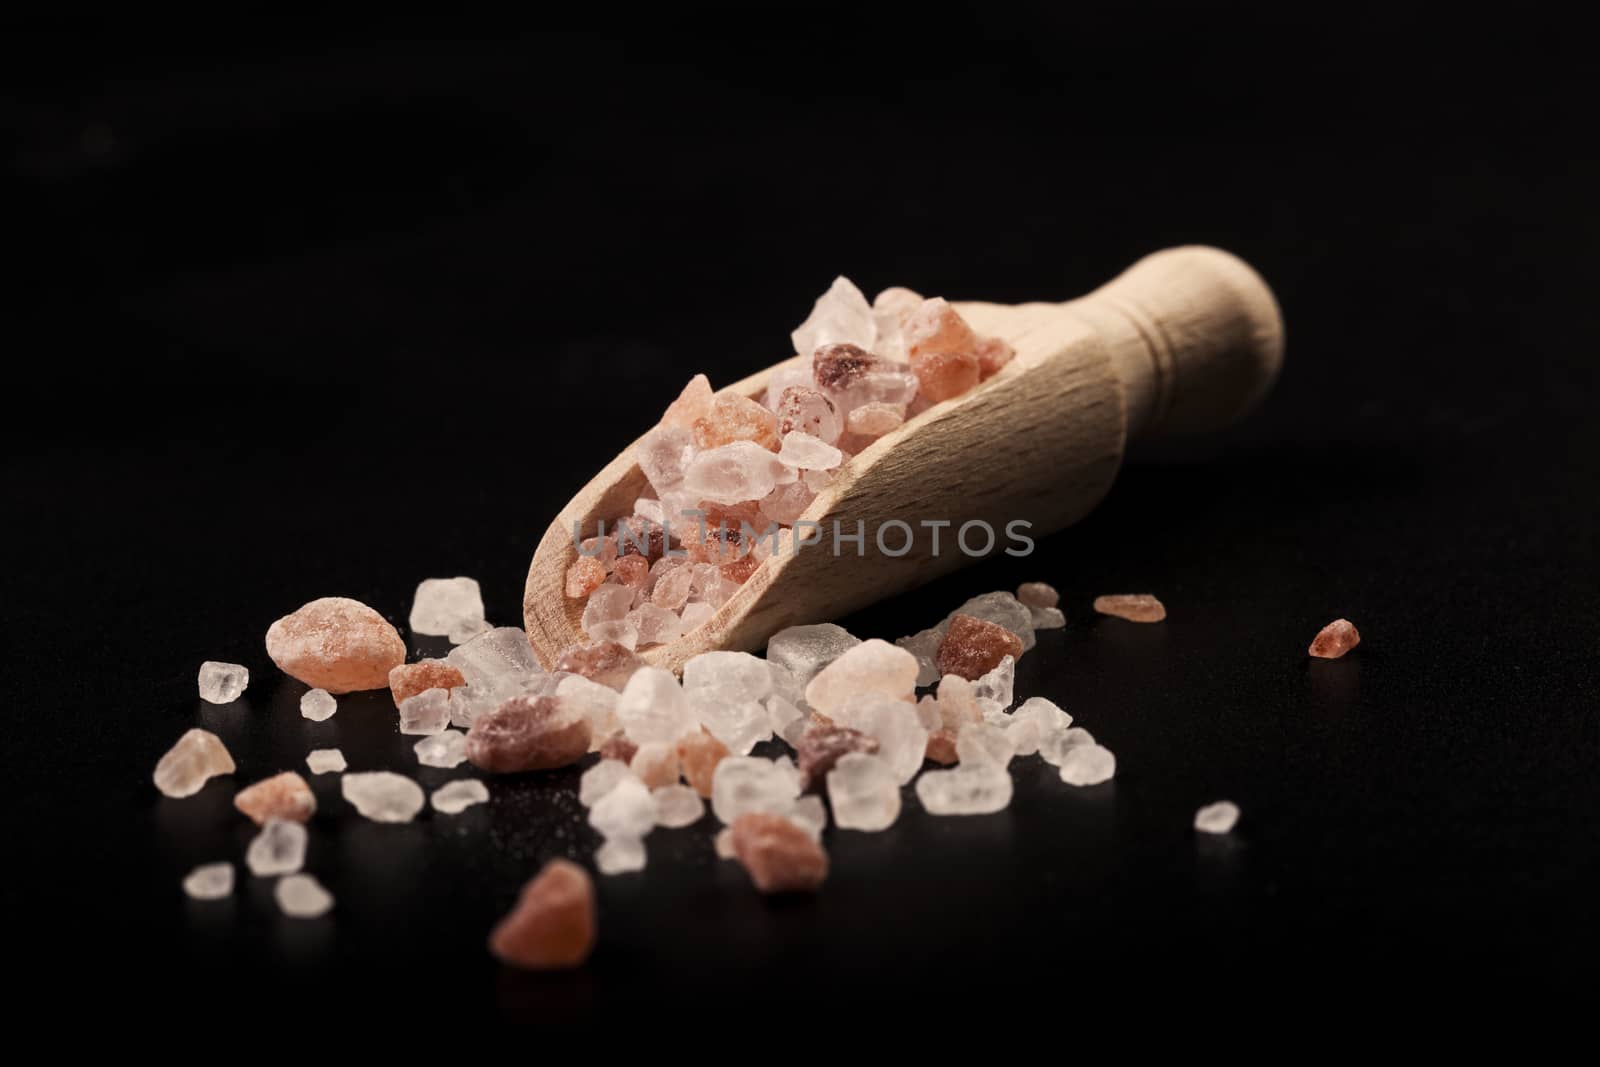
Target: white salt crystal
{"points": [[324, 760], [1047, 618], [723, 843], [744, 784], [786, 684], [600, 779], [596, 702], [467, 703], [840, 315], [626, 810], [654, 625], [894, 724], [663, 455], [738, 724], [1050, 718], [871, 667], [996, 687], [318, 705], [453, 798], [448, 607], [209, 881], [495, 658], [970, 789], [810, 815], [653, 708], [1055, 744], [890, 309], [786, 720], [864, 792], [1217, 818], [620, 855], [677, 805], [428, 712], [198, 756], [924, 645], [447, 749], [302, 897], [805, 452], [694, 615], [979, 742], [383, 796], [1087, 765], [280, 848], [733, 472], [728, 676], [805, 650], [1023, 734], [221, 683]]}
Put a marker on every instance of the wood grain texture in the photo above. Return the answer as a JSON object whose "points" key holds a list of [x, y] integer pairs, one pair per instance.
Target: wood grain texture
{"points": [[1185, 340]]}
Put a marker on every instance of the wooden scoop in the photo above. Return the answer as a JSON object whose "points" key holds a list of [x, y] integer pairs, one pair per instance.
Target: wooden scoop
{"points": [[1184, 340]]}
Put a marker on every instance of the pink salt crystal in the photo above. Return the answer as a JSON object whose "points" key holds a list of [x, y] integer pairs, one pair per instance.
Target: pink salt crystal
{"points": [[942, 746], [779, 855], [671, 590], [1135, 607], [821, 746], [725, 537], [619, 747], [808, 411], [198, 756], [283, 796], [875, 419], [584, 576], [895, 306], [336, 644], [553, 924], [698, 754], [993, 353], [973, 647], [409, 679], [740, 570], [837, 367], [631, 570], [639, 537], [604, 662], [943, 375], [1038, 595], [787, 503], [696, 615], [938, 327], [527, 734], [1335, 639], [691, 405], [809, 453], [958, 703], [655, 765], [602, 549], [736, 418], [656, 625]]}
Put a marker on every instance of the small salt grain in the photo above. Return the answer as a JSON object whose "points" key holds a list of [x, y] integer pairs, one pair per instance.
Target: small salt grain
{"points": [[383, 796], [805, 452], [677, 805], [198, 756], [1054, 745], [970, 789], [1087, 765], [600, 779], [811, 815], [302, 897], [620, 855], [1217, 818], [325, 760], [222, 683], [654, 709], [1048, 618], [453, 798], [209, 881], [627, 810], [744, 784], [447, 749], [318, 705], [805, 650], [1335, 639], [723, 843], [864, 793], [280, 848], [1135, 607]]}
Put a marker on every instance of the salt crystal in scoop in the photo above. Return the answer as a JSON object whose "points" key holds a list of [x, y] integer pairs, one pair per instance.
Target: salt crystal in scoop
{"points": [[841, 314], [732, 473], [301, 896], [809, 453], [222, 683], [735, 419], [1218, 818]]}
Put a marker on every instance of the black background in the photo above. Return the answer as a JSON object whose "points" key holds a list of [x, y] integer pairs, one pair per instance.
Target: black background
{"points": [[325, 312]]}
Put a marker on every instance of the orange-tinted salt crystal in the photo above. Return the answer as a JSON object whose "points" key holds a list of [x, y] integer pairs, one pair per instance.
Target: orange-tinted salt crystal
{"points": [[672, 588], [337, 644], [655, 765], [631, 571], [938, 327], [409, 679], [839, 366], [1335, 639], [283, 796], [821, 746], [584, 576], [725, 539], [604, 662], [639, 537], [740, 570], [1135, 607], [736, 418], [993, 353], [779, 856], [699, 754], [527, 734], [692, 404], [973, 647], [619, 747], [602, 549], [942, 746], [942, 375], [875, 419], [1038, 595], [553, 924]]}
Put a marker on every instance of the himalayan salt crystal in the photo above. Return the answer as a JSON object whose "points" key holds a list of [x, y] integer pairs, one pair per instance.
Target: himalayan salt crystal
{"points": [[942, 746], [601, 779], [1135, 607], [779, 856], [1054, 745], [1002, 609], [942, 375], [656, 765], [691, 405], [453, 798], [786, 503], [837, 367], [742, 784], [958, 703], [336, 644], [924, 646], [872, 667], [822, 745], [280, 848], [696, 615], [893, 723], [935, 326], [673, 585], [1051, 719], [603, 549], [553, 923], [618, 746], [805, 410], [733, 418], [283, 796], [222, 683], [723, 843], [817, 481], [383, 796], [678, 806], [928, 713], [993, 354], [982, 743], [447, 750], [448, 607], [739, 471], [791, 374], [325, 760], [811, 815], [627, 810], [300, 896], [584, 576], [698, 755], [739, 571], [527, 733], [209, 881], [864, 793], [739, 724], [875, 419], [1335, 639], [654, 709], [620, 855], [1038, 595], [840, 314], [1218, 818], [1088, 764], [318, 705], [809, 453], [605, 615], [970, 789], [728, 676], [973, 647], [495, 659], [656, 625], [593, 701], [605, 662], [631, 571], [1023, 735], [410, 679], [891, 310], [1047, 618], [426, 713], [639, 536], [725, 532], [994, 690], [198, 756], [803, 651], [664, 454]]}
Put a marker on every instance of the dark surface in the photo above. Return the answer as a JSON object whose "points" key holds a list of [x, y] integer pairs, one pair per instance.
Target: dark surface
{"points": [[305, 319]]}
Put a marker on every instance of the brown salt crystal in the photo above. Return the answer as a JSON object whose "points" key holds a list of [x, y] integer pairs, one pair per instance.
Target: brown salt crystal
{"points": [[1335, 639], [821, 745], [779, 856], [993, 353], [736, 418], [619, 747], [604, 662], [584, 576], [973, 647], [807, 411], [740, 570], [631, 571], [1038, 595], [655, 765], [640, 537], [723, 538], [840, 366], [337, 644], [1135, 607], [283, 796], [527, 734], [699, 753], [409, 679], [553, 924], [692, 404], [875, 419], [942, 375], [942, 746]]}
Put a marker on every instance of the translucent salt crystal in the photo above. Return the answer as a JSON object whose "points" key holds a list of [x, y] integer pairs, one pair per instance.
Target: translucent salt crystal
{"points": [[821, 744], [779, 855], [632, 570], [655, 625], [723, 843], [453, 798], [864, 792], [969, 789], [838, 367], [1045, 713], [383, 796], [656, 765], [871, 667], [653, 708], [196, 758], [698, 756], [805, 650], [596, 702], [929, 715], [732, 418], [426, 713], [997, 686], [972, 647], [664, 455], [791, 374], [739, 471], [409, 679], [672, 589], [785, 505], [982, 743], [608, 603], [552, 925], [993, 354], [696, 615], [467, 705], [691, 404], [874, 419], [817, 481], [841, 314], [626, 810], [881, 384], [806, 410], [447, 749], [1054, 745], [210, 881], [1087, 765], [1023, 735], [728, 675], [280, 848], [1135, 607], [337, 644], [891, 309], [810, 815], [924, 645], [495, 657], [958, 702], [318, 705], [325, 760], [1002, 609], [583, 576], [894, 724], [943, 375], [809, 453], [1047, 618], [677, 805], [1217, 818], [448, 607], [786, 720], [301, 896], [935, 326], [744, 784], [605, 664], [283, 796], [650, 510], [620, 855], [624, 632], [1335, 639], [222, 683], [738, 724], [600, 779]]}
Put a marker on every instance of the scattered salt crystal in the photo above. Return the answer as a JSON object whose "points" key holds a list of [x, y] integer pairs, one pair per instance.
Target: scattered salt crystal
{"points": [[600, 779], [620, 855], [728, 675], [894, 724], [426, 713], [841, 314], [302, 897], [732, 473], [924, 645], [875, 419], [691, 404], [810, 815], [654, 709], [337, 644], [655, 765], [871, 667], [664, 455], [738, 724], [805, 650], [806, 410], [280, 848], [809, 453], [982, 743], [780, 855], [970, 789], [197, 757], [1023, 735], [553, 923], [1048, 618], [723, 843], [1135, 607], [677, 805], [1055, 745], [209, 881], [318, 705], [997, 686], [409, 679], [1038, 595], [528, 733], [732, 418], [1045, 713], [1087, 765], [1217, 818], [744, 784], [453, 798], [627, 810], [864, 792], [972, 647], [1335, 639], [324, 760], [221, 683], [383, 796], [495, 658], [605, 664], [698, 754], [447, 749], [448, 607], [1002, 609], [283, 796]]}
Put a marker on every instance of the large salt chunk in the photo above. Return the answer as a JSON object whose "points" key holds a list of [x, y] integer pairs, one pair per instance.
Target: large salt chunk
{"points": [[732, 473], [871, 667], [840, 315], [864, 792], [970, 789], [739, 724], [728, 675], [894, 724], [447, 749], [664, 455], [426, 713], [448, 607], [805, 650], [383, 796], [280, 848], [600, 779], [1088, 764], [805, 452], [198, 756], [337, 644], [495, 659], [677, 805], [318, 705], [301, 896], [628, 810], [653, 708], [1217, 818], [453, 798], [744, 784], [1055, 744], [324, 760], [528, 733], [222, 683], [210, 881]]}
